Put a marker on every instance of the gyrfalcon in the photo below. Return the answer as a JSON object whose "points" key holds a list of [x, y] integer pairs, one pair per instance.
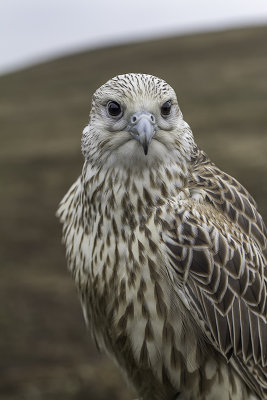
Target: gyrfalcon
{"points": [[168, 252]]}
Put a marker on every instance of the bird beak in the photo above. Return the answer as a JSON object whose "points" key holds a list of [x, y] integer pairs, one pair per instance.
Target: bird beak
{"points": [[142, 128]]}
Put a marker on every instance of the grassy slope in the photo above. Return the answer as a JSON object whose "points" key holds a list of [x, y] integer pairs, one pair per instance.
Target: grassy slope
{"points": [[221, 81]]}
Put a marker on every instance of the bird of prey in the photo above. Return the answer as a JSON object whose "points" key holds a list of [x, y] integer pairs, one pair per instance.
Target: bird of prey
{"points": [[168, 252]]}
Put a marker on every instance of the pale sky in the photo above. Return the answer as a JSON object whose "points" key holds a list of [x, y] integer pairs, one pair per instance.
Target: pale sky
{"points": [[36, 30]]}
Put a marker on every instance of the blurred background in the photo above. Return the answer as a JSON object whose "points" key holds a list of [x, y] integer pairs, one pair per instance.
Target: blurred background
{"points": [[54, 55]]}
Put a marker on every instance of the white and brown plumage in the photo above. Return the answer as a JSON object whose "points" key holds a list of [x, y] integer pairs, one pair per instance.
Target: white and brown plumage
{"points": [[168, 252]]}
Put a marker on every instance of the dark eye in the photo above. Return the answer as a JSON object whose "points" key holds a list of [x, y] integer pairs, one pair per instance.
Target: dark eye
{"points": [[166, 108], [114, 109]]}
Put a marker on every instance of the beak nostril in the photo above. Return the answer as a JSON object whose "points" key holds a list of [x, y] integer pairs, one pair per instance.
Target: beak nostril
{"points": [[152, 118], [134, 119]]}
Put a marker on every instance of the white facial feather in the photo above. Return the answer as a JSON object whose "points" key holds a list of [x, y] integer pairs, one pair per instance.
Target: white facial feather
{"points": [[107, 141]]}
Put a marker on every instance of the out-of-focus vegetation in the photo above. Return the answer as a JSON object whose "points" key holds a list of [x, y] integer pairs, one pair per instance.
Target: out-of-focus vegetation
{"points": [[221, 81]]}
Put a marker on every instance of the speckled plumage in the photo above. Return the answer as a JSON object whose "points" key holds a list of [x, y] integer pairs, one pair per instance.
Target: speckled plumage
{"points": [[168, 254]]}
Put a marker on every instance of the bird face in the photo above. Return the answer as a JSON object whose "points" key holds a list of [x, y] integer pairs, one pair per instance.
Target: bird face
{"points": [[135, 119]]}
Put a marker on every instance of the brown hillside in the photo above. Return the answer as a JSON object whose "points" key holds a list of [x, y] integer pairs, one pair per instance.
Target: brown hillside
{"points": [[221, 81]]}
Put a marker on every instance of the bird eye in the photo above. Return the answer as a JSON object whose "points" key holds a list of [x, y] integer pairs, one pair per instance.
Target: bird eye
{"points": [[166, 108], [114, 109]]}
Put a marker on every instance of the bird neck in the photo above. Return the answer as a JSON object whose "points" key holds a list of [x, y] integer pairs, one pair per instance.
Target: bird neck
{"points": [[119, 188]]}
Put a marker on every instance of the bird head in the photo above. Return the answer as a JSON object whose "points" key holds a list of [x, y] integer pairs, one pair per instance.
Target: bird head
{"points": [[135, 121]]}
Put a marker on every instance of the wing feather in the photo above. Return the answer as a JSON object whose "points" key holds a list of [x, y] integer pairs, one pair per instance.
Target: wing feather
{"points": [[219, 248]]}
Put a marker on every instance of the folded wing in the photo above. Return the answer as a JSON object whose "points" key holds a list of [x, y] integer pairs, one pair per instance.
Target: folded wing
{"points": [[217, 249]]}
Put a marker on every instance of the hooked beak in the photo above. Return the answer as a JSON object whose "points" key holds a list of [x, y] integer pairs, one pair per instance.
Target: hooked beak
{"points": [[142, 128]]}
